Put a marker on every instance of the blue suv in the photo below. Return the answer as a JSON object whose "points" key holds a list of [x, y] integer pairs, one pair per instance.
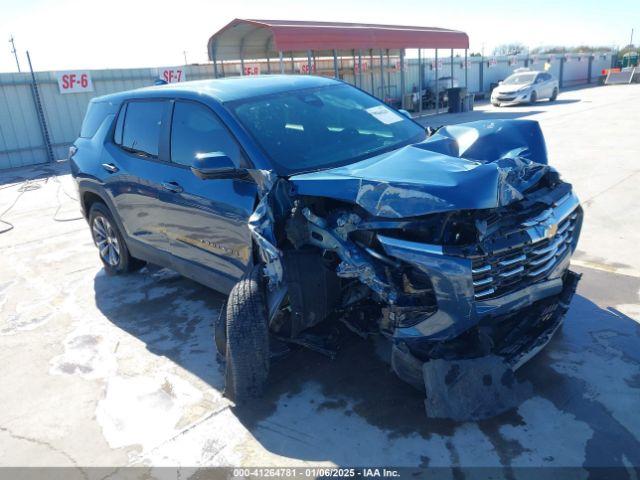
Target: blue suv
{"points": [[311, 203]]}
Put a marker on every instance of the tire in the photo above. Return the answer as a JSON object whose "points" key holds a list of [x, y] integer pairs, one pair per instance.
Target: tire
{"points": [[533, 98], [247, 346], [554, 95], [495, 104], [112, 248], [220, 331]]}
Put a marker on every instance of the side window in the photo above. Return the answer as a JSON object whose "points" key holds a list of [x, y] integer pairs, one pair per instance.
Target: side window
{"points": [[196, 129], [117, 136], [96, 114], [142, 127]]}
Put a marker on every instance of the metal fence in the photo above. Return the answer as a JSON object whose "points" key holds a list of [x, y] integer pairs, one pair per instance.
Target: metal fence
{"points": [[22, 141]]}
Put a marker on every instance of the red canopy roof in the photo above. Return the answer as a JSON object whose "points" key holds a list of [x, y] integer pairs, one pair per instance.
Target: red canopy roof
{"points": [[259, 38]]}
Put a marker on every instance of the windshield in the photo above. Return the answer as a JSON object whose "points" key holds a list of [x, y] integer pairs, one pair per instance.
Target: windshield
{"points": [[520, 79], [318, 128]]}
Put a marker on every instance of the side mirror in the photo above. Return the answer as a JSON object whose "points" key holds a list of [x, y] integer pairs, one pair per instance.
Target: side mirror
{"points": [[404, 112], [500, 82], [216, 165]]}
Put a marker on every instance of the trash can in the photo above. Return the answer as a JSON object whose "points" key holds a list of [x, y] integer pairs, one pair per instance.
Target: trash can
{"points": [[456, 96]]}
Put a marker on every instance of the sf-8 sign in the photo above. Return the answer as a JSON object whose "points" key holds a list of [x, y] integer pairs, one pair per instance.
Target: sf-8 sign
{"points": [[77, 81]]}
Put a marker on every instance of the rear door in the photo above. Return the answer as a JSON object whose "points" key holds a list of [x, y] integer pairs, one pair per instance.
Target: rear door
{"points": [[137, 190], [546, 85], [206, 222]]}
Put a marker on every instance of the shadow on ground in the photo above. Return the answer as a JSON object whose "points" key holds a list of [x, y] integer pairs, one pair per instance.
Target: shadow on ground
{"points": [[358, 384]]}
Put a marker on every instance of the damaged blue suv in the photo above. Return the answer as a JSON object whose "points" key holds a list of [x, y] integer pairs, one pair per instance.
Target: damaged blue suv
{"points": [[311, 203]]}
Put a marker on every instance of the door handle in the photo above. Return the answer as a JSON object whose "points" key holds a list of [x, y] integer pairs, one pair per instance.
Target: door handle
{"points": [[172, 187], [110, 167]]}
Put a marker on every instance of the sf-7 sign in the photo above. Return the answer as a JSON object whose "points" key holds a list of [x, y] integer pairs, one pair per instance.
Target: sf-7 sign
{"points": [[74, 82]]}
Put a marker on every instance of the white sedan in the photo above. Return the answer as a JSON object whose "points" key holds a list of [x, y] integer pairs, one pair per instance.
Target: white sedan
{"points": [[525, 87]]}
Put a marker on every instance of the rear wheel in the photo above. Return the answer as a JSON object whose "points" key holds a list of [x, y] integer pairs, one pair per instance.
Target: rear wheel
{"points": [[534, 97], [247, 338], [554, 95], [112, 249]]}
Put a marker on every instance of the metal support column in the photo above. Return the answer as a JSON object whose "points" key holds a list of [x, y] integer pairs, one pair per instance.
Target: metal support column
{"points": [[589, 65], [353, 58], [420, 80], [381, 75], [293, 64], [336, 74], [40, 112], [451, 65], [437, 86], [402, 90], [281, 55], [241, 63], [481, 74], [268, 63], [466, 70], [388, 72], [373, 89], [309, 68], [360, 68], [215, 63], [561, 74]]}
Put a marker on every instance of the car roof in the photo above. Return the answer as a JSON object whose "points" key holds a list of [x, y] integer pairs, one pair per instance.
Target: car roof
{"points": [[225, 89]]}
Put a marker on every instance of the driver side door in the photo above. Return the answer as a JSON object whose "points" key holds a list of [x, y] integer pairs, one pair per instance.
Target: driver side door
{"points": [[206, 224]]}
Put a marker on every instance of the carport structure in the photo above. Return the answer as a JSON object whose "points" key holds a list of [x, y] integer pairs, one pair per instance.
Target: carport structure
{"points": [[242, 40]]}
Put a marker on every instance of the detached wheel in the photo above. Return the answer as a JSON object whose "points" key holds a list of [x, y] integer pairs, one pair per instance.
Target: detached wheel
{"points": [[247, 339], [554, 95], [112, 249], [533, 98]]}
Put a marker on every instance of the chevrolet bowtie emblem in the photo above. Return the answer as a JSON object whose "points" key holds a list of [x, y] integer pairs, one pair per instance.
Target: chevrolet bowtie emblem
{"points": [[552, 230]]}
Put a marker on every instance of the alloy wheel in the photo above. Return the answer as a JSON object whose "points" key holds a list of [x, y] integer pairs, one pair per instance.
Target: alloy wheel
{"points": [[105, 238]]}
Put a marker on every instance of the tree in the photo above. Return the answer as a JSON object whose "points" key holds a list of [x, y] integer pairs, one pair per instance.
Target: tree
{"points": [[509, 49], [561, 49]]}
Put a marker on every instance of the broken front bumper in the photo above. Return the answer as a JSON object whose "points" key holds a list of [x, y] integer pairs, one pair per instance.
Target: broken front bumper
{"points": [[460, 287]]}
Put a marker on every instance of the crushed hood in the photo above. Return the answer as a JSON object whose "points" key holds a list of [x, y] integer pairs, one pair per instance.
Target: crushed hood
{"points": [[476, 165]]}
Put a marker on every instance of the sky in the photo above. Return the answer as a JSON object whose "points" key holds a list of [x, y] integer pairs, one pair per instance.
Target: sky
{"points": [[87, 34]]}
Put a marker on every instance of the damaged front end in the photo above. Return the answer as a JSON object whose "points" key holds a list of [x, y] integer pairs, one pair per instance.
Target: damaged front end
{"points": [[457, 248]]}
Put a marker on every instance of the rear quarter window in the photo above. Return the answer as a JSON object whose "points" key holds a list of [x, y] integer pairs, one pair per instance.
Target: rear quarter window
{"points": [[97, 112]]}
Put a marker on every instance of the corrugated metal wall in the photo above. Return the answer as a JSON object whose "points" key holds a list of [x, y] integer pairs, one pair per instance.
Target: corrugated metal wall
{"points": [[21, 141]]}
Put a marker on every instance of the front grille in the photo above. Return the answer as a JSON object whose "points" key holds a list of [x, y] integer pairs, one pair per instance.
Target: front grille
{"points": [[498, 274], [504, 98]]}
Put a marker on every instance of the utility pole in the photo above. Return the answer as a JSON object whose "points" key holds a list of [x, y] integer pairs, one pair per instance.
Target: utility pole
{"points": [[184, 52], [631, 41], [15, 53]]}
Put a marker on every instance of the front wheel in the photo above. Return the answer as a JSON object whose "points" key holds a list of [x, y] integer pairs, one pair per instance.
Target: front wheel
{"points": [[112, 249], [554, 95], [533, 98], [247, 338]]}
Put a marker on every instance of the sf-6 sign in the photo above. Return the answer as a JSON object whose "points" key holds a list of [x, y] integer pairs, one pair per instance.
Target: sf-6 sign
{"points": [[74, 82]]}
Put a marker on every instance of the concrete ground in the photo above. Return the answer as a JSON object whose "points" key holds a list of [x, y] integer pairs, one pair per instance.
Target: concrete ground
{"points": [[115, 371]]}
